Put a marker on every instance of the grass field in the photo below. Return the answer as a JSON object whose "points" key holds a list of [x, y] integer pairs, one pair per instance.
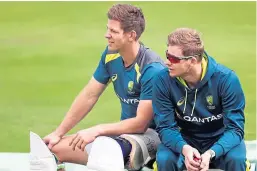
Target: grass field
{"points": [[49, 51]]}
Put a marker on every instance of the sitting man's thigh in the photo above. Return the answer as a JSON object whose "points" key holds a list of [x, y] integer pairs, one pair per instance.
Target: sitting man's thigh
{"points": [[64, 152]]}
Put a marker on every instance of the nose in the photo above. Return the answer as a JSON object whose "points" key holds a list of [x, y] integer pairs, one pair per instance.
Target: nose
{"points": [[167, 62], [107, 35]]}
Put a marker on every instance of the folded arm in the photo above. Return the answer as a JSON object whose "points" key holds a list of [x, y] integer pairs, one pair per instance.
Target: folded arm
{"points": [[233, 103], [164, 116]]}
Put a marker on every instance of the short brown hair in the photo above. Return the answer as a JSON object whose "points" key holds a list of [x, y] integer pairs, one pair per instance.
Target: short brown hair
{"points": [[189, 40], [130, 17]]}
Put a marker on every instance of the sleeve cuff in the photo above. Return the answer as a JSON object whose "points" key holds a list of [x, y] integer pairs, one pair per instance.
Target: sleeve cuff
{"points": [[179, 146], [146, 98], [218, 149], [99, 79]]}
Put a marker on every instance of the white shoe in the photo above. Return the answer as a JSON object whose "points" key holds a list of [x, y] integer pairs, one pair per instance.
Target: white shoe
{"points": [[105, 155], [41, 158]]}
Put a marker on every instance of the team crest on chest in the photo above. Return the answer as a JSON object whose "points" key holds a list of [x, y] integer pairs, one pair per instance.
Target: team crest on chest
{"points": [[130, 87], [209, 100]]}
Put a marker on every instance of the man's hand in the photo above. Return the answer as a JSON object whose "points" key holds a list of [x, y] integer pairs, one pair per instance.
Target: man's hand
{"points": [[84, 137], [191, 154], [52, 139], [206, 157]]}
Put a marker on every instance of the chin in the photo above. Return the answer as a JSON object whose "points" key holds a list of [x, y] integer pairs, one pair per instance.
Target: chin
{"points": [[112, 48], [172, 74]]}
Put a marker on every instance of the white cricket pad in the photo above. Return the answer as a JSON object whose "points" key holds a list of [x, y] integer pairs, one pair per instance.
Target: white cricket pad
{"points": [[41, 158], [105, 155]]}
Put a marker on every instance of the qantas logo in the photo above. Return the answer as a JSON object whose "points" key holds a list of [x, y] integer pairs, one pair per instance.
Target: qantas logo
{"points": [[199, 119], [202, 120], [128, 101]]}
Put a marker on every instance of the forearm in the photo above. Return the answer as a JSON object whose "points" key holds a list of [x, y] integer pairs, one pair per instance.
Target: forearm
{"points": [[76, 113], [233, 104], [81, 106], [229, 140], [233, 134], [172, 138], [128, 126]]}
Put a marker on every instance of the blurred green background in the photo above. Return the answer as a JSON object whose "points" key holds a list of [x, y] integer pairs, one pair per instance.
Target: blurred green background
{"points": [[49, 51]]}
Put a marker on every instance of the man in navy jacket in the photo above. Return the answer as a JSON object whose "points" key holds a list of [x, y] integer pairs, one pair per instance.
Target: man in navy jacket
{"points": [[199, 109]]}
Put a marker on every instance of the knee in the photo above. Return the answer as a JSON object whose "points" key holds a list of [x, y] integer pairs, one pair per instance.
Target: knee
{"points": [[235, 159], [237, 154], [57, 151], [165, 157], [62, 150]]}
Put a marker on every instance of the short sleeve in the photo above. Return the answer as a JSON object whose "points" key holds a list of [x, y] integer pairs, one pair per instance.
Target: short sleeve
{"points": [[101, 73]]}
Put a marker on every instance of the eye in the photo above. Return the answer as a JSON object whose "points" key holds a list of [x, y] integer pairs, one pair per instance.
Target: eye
{"points": [[113, 31]]}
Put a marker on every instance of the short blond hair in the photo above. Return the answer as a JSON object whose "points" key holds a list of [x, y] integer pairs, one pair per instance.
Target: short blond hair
{"points": [[189, 40], [130, 17]]}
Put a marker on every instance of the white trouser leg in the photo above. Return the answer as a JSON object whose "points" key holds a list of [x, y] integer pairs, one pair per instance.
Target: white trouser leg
{"points": [[41, 158]]}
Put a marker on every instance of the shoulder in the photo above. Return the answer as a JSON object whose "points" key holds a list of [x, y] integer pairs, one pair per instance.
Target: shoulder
{"points": [[223, 70], [225, 77], [218, 68], [225, 73], [149, 59], [152, 57], [153, 68]]}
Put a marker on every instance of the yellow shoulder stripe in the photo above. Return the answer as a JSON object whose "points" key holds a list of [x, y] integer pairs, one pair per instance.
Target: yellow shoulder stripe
{"points": [[204, 66], [137, 71], [110, 57]]}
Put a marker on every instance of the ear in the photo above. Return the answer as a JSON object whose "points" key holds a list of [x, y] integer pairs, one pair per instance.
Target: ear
{"points": [[132, 36], [194, 60]]}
